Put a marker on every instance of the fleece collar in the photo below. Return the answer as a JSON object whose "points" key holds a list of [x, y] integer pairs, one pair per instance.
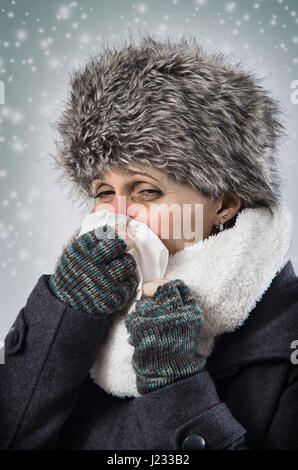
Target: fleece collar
{"points": [[227, 273]]}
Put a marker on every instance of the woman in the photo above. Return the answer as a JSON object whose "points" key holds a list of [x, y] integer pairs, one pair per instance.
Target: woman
{"points": [[210, 345]]}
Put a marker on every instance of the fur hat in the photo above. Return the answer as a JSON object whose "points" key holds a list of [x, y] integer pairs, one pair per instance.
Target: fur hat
{"points": [[177, 108]]}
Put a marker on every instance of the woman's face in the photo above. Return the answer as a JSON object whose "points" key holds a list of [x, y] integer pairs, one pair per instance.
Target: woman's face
{"points": [[176, 213]]}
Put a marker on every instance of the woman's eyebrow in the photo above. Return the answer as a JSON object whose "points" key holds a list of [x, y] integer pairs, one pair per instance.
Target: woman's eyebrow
{"points": [[132, 172], [128, 173]]}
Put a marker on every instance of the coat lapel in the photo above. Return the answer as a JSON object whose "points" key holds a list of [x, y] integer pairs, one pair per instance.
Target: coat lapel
{"points": [[268, 332]]}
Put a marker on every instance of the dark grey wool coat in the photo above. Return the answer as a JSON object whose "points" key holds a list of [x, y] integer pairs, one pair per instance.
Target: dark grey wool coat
{"points": [[247, 397]]}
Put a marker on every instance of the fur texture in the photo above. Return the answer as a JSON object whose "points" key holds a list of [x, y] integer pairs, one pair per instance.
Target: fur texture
{"points": [[227, 273], [177, 108]]}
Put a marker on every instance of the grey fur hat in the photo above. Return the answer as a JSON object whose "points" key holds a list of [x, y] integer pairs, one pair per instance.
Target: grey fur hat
{"points": [[175, 107]]}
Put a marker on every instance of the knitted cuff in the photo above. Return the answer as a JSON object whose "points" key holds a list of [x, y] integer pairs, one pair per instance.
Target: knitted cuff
{"points": [[149, 382], [166, 353], [165, 342]]}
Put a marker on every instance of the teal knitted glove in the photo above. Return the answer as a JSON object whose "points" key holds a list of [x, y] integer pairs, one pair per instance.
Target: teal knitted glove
{"points": [[94, 274], [164, 330]]}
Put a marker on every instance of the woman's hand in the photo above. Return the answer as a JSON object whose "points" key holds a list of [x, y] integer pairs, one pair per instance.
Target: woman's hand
{"points": [[164, 330], [95, 274]]}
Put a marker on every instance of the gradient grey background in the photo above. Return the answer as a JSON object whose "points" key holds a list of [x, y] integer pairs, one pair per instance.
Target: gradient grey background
{"points": [[41, 41]]}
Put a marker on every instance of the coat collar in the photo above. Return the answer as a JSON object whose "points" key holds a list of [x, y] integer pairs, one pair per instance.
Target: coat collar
{"points": [[228, 274]]}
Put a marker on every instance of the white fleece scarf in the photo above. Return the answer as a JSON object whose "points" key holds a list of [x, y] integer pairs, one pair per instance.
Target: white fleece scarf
{"points": [[227, 273]]}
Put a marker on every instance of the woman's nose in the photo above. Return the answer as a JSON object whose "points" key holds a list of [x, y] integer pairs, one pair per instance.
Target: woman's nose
{"points": [[119, 205]]}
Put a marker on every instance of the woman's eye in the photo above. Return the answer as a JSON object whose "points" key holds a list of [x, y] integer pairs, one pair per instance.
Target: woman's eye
{"points": [[144, 192], [150, 192], [103, 193]]}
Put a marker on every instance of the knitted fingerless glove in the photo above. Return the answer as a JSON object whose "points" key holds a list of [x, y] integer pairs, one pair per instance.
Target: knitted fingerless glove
{"points": [[94, 274], [164, 329]]}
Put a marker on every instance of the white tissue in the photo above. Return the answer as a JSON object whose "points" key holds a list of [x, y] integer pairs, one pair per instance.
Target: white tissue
{"points": [[150, 253]]}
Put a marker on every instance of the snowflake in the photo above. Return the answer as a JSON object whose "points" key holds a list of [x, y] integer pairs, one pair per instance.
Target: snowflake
{"points": [[5, 111], [25, 214], [23, 254], [34, 192], [44, 43], [142, 8], [21, 35], [54, 62], [13, 194], [63, 13], [230, 6], [17, 116], [85, 38], [18, 147]]}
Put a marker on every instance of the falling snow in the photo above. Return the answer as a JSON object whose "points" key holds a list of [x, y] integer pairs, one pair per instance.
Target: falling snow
{"points": [[39, 48]]}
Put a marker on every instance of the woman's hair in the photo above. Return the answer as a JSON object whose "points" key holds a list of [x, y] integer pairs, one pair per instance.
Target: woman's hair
{"points": [[177, 108]]}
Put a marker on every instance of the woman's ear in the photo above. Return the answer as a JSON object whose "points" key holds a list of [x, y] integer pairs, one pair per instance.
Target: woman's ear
{"points": [[229, 205]]}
